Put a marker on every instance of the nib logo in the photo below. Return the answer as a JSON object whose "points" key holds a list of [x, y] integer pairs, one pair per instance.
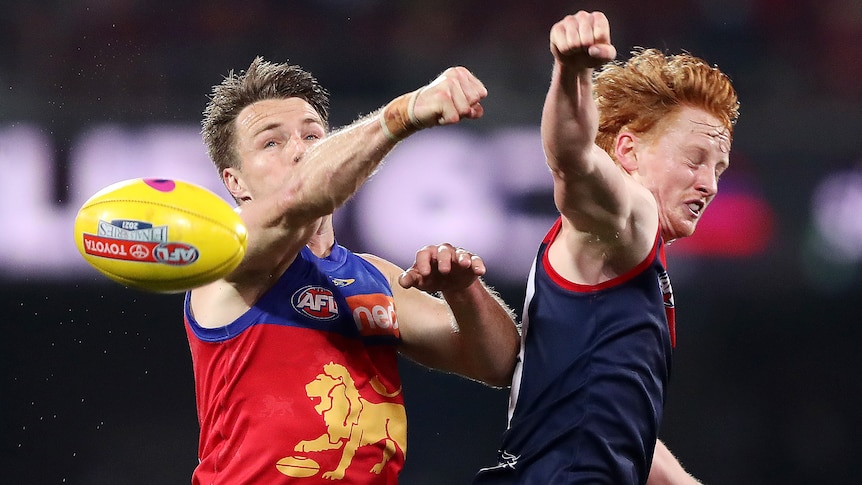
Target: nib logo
{"points": [[374, 314]]}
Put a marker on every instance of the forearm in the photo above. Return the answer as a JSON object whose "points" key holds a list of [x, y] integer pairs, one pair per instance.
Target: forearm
{"points": [[589, 189], [323, 179], [569, 119], [667, 470], [487, 338], [332, 170]]}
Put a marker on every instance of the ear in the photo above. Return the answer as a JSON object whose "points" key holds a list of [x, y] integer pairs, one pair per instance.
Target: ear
{"points": [[233, 181], [625, 151]]}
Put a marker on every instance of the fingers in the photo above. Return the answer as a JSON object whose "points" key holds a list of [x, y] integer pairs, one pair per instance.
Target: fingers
{"points": [[421, 269], [476, 264], [442, 266], [445, 258], [450, 258], [467, 93], [437, 258], [584, 37], [409, 278], [455, 94], [425, 258]]}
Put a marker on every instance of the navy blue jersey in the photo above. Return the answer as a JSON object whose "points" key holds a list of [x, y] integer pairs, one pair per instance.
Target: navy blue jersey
{"points": [[588, 393]]}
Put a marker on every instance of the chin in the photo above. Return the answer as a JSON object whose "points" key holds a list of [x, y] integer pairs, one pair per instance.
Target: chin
{"points": [[673, 228], [687, 231], [680, 231]]}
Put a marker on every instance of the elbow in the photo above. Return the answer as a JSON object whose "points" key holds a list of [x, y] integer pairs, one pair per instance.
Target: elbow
{"points": [[499, 371], [500, 381]]}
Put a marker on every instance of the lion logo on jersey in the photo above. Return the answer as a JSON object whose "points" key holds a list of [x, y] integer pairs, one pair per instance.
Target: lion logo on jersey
{"points": [[352, 421]]}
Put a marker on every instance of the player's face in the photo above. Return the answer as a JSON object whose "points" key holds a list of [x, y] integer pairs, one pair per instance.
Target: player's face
{"points": [[271, 137], [681, 167]]}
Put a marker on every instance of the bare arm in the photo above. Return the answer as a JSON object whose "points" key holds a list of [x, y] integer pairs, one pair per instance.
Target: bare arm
{"points": [[323, 176], [332, 170], [609, 219], [589, 188], [320, 181], [667, 470], [470, 331]]}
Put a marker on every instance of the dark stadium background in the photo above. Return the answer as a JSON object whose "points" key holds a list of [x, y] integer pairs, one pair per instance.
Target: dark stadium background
{"points": [[95, 381]]}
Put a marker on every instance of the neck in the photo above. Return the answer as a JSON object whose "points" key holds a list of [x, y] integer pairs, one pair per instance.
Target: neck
{"points": [[323, 239]]}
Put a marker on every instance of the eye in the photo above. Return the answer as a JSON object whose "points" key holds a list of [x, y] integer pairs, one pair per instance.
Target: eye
{"points": [[270, 144], [312, 136]]}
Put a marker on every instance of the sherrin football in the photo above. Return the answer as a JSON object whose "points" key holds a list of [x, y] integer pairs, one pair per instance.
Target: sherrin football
{"points": [[160, 235]]}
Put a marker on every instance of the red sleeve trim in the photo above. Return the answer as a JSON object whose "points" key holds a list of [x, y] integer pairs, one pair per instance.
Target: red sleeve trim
{"points": [[578, 287]]}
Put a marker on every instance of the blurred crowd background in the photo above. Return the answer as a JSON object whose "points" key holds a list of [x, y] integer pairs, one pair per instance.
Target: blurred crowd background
{"points": [[96, 384]]}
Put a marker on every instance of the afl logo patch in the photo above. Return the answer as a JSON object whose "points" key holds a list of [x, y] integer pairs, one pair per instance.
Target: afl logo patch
{"points": [[315, 302]]}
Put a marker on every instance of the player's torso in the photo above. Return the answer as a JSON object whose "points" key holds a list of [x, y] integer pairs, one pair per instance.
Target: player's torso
{"points": [[593, 371], [304, 387]]}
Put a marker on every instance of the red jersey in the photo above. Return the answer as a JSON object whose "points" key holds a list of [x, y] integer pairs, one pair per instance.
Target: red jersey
{"points": [[304, 387]]}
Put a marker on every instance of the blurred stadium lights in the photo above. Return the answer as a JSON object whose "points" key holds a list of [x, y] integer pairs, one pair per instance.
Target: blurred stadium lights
{"points": [[832, 250], [837, 215], [488, 192]]}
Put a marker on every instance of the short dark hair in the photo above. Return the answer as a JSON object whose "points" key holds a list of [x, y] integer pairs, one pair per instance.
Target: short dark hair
{"points": [[261, 81]]}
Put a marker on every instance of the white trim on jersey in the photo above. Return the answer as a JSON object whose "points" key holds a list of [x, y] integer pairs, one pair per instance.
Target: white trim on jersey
{"points": [[525, 324]]}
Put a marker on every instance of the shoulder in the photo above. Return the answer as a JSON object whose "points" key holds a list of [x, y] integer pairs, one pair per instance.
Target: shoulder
{"points": [[222, 301], [216, 304], [389, 269], [409, 301], [586, 257]]}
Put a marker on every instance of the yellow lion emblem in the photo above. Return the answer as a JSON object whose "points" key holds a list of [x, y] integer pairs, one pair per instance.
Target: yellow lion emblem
{"points": [[352, 421]]}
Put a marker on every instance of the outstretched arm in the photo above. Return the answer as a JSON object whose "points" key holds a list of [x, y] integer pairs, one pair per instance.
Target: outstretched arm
{"points": [[579, 43], [321, 178], [469, 331], [590, 190], [608, 218], [333, 169], [336, 167]]}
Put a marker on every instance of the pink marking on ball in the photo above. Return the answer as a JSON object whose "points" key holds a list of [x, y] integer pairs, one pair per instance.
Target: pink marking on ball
{"points": [[162, 185]]}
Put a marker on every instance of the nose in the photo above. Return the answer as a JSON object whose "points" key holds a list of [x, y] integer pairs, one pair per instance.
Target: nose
{"points": [[707, 182], [300, 146]]}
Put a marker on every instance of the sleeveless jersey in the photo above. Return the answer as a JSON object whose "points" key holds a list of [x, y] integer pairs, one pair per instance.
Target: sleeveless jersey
{"points": [[587, 396], [303, 387]]}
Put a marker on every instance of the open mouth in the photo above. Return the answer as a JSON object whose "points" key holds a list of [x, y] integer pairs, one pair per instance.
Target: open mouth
{"points": [[696, 208]]}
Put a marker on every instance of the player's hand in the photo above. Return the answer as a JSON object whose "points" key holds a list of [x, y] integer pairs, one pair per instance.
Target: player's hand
{"points": [[442, 268], [583, 40], [453, 96]]}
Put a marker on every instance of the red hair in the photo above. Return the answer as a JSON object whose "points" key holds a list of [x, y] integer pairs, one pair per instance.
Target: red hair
{"points": [[637, 94]]}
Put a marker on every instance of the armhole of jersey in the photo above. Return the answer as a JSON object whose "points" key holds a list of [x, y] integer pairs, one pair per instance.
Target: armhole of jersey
{"points": [[578, 287], [218, 334], [194, 326], [247, 319], [373, 268]]}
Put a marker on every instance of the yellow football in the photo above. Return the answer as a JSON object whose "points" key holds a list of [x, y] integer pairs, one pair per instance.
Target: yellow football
{"points": [[160, 235]]}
